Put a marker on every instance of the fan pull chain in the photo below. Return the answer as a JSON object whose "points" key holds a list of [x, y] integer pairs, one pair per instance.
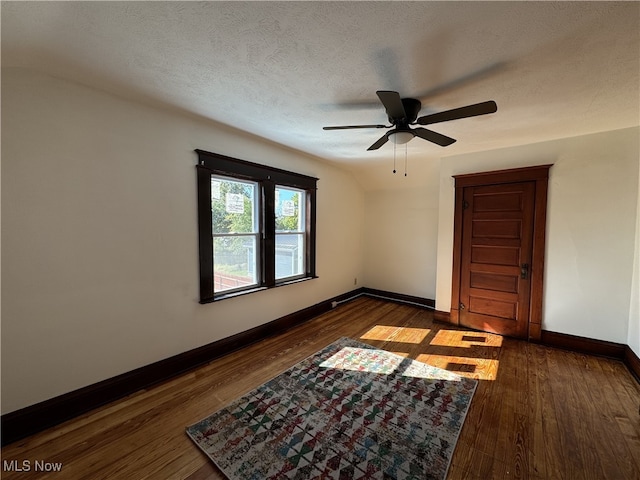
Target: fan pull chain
{"points": [[405, 159], [394, 158]]}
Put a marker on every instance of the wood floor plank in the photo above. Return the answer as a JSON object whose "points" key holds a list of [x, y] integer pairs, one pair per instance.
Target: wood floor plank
{"points": [[543, 460], [573, 422], [532, 416], [598, 418], [512, 438], [208, 471], [615, 419]]}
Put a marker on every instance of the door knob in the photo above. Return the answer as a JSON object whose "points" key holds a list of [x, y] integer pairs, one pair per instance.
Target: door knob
{"points": [[524, 272]]}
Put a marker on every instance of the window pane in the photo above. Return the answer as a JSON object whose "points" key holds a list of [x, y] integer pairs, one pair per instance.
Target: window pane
{"points": [[289, 255], [234, 262], [233, 206], [290, 205]]}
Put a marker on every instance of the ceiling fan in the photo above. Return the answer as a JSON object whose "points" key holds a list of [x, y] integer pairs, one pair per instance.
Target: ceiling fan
{"points": [[403, 112]]}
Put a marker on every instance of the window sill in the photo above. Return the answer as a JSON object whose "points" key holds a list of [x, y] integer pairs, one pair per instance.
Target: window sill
{"points": [[294, 280], [225, 296]]}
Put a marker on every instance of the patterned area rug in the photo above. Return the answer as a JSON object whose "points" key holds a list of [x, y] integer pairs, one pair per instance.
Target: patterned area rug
{"points": [[347, 412]]}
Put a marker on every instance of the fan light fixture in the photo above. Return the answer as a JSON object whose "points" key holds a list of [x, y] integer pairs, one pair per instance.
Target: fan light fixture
{"points": [[400, 137]]}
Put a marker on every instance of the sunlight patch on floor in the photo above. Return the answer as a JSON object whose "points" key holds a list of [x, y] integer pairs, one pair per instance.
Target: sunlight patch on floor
{"points": [[478, 368], [387, 333], [459, 338], [363, 360], [368, 360]]}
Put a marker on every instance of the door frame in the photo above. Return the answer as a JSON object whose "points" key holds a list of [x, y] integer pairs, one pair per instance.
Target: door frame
{"points": [[538, 174]]}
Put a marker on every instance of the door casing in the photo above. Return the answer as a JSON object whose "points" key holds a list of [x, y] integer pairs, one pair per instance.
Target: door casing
{"points": [[539, 175]]}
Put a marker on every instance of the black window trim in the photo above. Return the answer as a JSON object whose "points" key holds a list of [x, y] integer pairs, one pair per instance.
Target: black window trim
{"points": [[268, 178]]}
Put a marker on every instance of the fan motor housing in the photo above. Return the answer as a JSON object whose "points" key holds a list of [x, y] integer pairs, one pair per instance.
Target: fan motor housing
{"points": [[412, 107]]}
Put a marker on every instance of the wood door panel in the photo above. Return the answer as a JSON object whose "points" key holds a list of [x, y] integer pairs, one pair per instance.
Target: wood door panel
{"points": [[497, 237], [496, 254], [502, 326], [509, 201], [503, 297], [497, 282], [497, 269], [496, 228], [493, 307]]}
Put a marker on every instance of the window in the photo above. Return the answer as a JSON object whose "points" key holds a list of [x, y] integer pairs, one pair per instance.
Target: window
{"points": [[236, 234], [256, 226], [290, 232]]}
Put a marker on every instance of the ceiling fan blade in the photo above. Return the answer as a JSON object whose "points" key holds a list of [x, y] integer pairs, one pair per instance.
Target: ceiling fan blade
{"points": [[457, 113], [471, 77], [432, 136], [392, 104], [345, 127], [381, 141]]}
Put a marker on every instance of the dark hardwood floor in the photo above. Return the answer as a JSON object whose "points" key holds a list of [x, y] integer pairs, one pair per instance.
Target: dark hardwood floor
{"points": [[538, 412]]}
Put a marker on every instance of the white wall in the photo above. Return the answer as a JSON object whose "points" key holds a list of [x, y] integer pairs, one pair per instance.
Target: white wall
{"points": [[591, 228], [401, 231], [633, 339], [99, 247]]}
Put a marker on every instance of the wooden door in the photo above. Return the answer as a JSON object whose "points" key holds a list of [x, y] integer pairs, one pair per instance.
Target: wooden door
{"points": [[496, 257], [494, 296]]}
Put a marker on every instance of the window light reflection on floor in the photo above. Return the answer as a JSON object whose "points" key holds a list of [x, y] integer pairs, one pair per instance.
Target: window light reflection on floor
{"points": [[461, 338], [363, 360], [468, 366], [471, 367], [387, 333], [368, 360]]}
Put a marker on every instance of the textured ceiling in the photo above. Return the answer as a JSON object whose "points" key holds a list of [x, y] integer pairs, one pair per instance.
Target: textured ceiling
{"points": [[282, 70]]}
